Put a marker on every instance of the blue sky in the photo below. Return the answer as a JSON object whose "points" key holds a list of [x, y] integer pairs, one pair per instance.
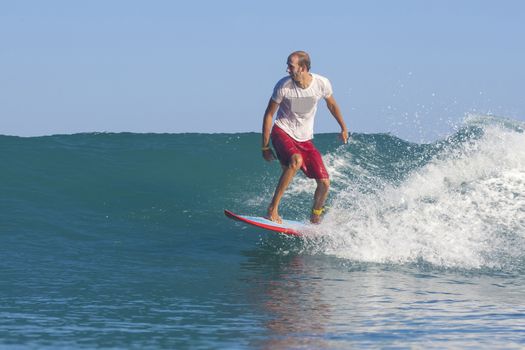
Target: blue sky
{"points": [[412, 68]]}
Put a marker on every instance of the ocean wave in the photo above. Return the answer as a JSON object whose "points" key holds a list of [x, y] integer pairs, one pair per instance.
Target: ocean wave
{"points": [[457, 202], [463, 208]]}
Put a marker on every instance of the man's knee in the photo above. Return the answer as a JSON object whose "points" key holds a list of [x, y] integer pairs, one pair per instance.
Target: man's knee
{"points": [[296, 161], [323, 183]]}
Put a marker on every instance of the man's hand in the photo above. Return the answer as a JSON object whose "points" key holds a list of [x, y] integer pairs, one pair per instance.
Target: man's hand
{"points": [[344, 136], [268, 155]]}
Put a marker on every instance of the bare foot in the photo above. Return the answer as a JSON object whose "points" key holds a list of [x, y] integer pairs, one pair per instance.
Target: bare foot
{"points": [[273, 216], [315, 219]]}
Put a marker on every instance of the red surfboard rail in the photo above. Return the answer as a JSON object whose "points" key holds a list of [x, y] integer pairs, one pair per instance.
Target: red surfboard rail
{"points": [[266, 224]]}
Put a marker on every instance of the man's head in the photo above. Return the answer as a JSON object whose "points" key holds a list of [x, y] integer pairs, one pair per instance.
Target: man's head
{"points": [[298, 63]]}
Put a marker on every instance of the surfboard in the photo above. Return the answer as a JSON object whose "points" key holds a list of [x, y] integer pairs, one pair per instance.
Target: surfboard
{"points": [[289, 227]]}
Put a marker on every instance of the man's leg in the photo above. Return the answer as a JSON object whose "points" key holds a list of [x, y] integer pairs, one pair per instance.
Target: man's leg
{"points": [[321, 193], [286, 177]]}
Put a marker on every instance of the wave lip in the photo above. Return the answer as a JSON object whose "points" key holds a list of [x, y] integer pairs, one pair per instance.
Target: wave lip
{"points": [[464, 208]]}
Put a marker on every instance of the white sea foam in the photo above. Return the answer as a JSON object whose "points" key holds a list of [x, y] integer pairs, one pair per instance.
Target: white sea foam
{"points": [[465, 208]]}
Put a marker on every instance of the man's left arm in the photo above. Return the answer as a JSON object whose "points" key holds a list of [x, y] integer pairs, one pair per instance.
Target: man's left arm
{"points": [[336, 112]]}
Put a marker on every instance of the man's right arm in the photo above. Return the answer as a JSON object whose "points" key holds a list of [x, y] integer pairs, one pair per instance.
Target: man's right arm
{"points": [[267, 126]]}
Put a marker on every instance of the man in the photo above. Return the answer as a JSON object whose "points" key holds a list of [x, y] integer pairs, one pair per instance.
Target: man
{"points": [[295, 99]]}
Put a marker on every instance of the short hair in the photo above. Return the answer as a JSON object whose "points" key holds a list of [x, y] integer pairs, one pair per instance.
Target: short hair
{"points": [[303, 58]]}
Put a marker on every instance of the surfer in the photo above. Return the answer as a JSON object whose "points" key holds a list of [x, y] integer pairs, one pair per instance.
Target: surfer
{"points": [[295, 99]]}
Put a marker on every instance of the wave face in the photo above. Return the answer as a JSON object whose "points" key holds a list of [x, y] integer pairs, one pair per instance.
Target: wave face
{"points": [[456, 203]]}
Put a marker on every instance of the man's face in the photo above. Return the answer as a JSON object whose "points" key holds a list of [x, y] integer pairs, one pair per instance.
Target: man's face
{"points": [[293, 67]]}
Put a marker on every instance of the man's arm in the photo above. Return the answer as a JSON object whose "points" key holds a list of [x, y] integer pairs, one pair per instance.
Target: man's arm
{"points": [[267, 126], [336, 112]]}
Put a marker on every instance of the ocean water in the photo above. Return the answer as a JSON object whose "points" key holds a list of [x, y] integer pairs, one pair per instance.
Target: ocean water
{"points": [[120, 241]]}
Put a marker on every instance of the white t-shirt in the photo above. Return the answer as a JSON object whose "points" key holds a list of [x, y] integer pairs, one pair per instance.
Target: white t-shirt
{"points": [[297, 106]]}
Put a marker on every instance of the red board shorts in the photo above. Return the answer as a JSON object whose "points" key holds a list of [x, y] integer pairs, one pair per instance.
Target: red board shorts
{"points": [[285, 147]]}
